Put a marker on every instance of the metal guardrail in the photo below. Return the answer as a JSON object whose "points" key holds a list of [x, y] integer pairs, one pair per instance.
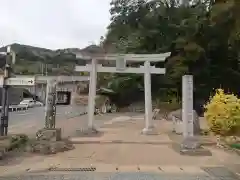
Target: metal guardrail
{"points": [[13, 108]]}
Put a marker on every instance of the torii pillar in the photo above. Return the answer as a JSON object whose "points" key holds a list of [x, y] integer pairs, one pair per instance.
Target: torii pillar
{"points": [[148, 99], [92, 94]]}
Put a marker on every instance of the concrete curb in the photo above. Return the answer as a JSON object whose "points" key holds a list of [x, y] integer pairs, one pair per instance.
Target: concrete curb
{"points": [[161, 169], [80, 140], [118, 142]]}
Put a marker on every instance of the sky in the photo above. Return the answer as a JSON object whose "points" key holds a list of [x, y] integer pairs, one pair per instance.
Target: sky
{"points": [[53, 24]]}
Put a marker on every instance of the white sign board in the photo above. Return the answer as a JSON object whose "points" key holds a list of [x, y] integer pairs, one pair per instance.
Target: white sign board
{"points": [[120, 64], [20, 81], [187, 105], [1, 80]]}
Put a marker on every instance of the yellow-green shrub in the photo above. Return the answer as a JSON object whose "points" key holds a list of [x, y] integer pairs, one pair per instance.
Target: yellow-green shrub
{"points": [[223, 113]]}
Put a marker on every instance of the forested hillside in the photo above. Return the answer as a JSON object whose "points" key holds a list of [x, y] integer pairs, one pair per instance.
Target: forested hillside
{"points": [[35, 60], [203, 37]]}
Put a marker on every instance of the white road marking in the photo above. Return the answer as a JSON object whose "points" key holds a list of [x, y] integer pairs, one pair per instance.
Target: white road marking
{"points": [[24, 114]]}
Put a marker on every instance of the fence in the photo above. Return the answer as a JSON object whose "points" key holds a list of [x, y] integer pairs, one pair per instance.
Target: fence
{"points": [[13, 108]]}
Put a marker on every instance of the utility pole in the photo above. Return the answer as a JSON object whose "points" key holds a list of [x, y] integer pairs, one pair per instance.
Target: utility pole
{"points": [[50, 116], [46, 69], [5, 89], [43, 92], [42, 69]]}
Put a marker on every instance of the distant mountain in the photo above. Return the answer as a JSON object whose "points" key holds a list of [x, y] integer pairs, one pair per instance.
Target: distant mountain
{"points": [[92, 49], [18, 47], [42, 52], [29, 59]]}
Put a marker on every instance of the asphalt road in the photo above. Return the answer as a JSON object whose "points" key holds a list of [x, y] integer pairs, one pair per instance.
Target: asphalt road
{"points": [[31, 120], [38, 114]]}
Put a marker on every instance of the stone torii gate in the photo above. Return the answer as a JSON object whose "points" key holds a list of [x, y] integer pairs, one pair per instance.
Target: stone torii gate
{"points": [[121, 60]]}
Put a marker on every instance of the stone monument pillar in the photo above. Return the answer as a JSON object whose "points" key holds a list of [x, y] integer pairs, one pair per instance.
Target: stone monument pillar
{"points": [[50, 113], [187, 105], [190, 144]]}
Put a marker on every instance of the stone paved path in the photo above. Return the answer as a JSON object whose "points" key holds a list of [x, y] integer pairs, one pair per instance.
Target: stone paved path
{"points": [[112, 176], [121, 152]]}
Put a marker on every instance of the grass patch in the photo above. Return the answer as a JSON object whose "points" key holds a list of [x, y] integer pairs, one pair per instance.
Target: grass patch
{"points": [[235, 146]]}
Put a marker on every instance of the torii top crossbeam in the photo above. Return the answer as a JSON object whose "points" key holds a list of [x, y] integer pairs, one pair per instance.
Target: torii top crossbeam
{"points": [[127, 57], [121, 61]]}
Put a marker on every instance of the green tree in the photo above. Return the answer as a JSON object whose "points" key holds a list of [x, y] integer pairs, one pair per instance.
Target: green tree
{"points": [[203, 37]]}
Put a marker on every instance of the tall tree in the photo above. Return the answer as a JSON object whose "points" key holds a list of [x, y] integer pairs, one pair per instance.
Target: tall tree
{"points": [[202, 35]]}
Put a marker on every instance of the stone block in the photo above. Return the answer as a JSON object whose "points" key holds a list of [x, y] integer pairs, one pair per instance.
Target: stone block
{"points": [[4, 138], [49, 147], [86, 132], [60, 146], [190, 143], [49, 134], [176, 117], [42, 147], [231, 140], [191, 152], [2, 152], [150, 131], [190, 149], [5, 143]]}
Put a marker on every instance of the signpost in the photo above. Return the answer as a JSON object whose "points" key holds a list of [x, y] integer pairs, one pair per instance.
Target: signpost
{"points": [[15, 81], [5, 105], [1, 81], [120, 63], [20, 81], [8, 80]]}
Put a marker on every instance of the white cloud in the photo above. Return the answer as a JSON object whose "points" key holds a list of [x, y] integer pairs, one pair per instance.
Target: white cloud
{"points": [[53, 23]]}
